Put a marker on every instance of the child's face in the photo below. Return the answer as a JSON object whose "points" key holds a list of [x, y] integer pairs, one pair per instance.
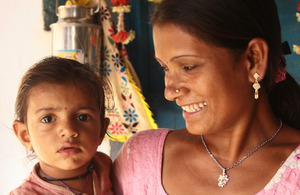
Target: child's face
{"points": [[63, 121]]}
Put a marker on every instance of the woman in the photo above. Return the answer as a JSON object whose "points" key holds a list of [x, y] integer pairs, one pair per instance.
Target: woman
{"points": [[224, 67]]}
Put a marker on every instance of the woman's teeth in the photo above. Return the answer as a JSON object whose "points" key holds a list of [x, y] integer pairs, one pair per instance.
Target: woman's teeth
{"points": [[194, 107]]}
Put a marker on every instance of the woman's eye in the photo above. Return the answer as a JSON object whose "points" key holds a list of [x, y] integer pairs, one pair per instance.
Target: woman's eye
{"points": [[47, 119], [164, 68], [191, 67], [83, 117]]}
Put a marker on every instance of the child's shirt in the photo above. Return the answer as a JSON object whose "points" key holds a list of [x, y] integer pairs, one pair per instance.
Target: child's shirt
{"points": [[34, 185]]}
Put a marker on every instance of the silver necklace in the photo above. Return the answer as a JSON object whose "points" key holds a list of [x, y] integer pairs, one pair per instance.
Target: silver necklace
{"points": [[224, 178]]}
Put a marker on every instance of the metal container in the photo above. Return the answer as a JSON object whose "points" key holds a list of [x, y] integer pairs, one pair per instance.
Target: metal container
{"points": [[76, 35]]}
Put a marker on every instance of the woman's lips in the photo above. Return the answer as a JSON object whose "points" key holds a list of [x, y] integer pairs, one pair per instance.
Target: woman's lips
{"points": [[194, 107]]}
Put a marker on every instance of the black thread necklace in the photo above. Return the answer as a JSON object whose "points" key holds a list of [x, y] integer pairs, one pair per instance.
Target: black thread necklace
{"points": [[48, 178], [85, 175]]}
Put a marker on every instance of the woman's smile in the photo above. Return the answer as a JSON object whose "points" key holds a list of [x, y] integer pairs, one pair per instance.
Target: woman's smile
{"points": [[194, 107]]}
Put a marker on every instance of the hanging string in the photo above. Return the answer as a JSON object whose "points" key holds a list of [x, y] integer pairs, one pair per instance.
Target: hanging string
{"points": [[122, 36], [155, 1]]}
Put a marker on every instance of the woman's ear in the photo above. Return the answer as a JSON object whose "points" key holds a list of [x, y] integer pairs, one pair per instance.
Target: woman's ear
{"points": [[21, 131], [257, 53]]}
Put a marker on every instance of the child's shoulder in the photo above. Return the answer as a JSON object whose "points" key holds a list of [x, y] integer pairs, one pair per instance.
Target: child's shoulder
{"points": [[102, 158], [32, 185], [102, 171]]}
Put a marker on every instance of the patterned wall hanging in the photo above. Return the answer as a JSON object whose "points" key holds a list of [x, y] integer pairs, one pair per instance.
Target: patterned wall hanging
{"points": [[130, 113], [296, 48]]}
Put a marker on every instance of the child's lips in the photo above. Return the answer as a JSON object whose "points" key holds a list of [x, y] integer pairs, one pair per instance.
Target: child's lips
{"points": [[69, 149]]}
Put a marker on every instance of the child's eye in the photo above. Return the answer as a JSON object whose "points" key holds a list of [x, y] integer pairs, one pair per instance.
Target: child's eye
{"points": [[83, 117], [47, 119]]}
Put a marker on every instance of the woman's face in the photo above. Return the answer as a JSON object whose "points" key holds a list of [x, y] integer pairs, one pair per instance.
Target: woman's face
{"points": [[214, 90]]}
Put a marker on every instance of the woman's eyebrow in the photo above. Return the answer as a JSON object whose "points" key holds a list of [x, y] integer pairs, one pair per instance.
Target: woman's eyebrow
{"points": [[175, 57]]}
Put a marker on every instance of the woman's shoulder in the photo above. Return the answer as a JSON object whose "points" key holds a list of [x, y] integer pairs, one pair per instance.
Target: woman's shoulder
{"points": [[152, 132], [148, 137], [137, 167], [145, 143], [289, 137]]}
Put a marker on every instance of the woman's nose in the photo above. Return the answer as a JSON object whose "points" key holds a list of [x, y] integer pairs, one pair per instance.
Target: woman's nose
{"points": [[172, 87]]}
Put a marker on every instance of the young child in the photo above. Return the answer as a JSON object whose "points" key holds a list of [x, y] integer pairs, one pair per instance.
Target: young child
{"points": [[60, 110]]}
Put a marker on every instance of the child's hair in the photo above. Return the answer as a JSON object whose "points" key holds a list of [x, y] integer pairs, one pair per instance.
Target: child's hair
{"points": [[58, 70]]}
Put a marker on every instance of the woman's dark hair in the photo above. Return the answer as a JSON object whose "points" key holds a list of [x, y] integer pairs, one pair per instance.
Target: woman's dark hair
{"points": [[232, 24], [58, 70]]}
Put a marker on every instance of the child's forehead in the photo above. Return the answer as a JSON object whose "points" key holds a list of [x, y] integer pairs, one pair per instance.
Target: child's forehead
{"points": [[46, 92], [80, 87], [69, 89], [45, 86]]}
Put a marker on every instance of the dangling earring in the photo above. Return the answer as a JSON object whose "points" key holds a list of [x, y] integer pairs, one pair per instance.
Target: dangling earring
{"points": [[256, 85]]}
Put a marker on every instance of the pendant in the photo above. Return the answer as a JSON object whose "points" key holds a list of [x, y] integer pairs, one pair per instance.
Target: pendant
{"points": [[223, 179]]}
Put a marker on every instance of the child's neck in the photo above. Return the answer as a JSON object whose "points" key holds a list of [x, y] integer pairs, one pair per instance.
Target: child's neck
{"points": [[82, 183]]}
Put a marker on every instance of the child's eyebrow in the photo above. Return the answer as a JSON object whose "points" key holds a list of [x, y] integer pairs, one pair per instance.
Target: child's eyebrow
{"points": [[66, 108], [88, 108], [46, 109]]}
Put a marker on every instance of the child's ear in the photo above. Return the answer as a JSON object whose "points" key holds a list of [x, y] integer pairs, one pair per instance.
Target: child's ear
{"points": [[103, 131], [106, 123], [257, 52], [21, 131]]}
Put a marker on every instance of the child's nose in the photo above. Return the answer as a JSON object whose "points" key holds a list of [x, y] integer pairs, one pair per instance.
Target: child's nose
{"points": [[68, 129]]}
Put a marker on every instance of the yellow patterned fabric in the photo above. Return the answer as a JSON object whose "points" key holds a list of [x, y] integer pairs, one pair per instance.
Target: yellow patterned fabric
{"points": [[130, 112]]}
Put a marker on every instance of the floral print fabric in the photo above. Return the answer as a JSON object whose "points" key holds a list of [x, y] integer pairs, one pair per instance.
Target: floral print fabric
{"points": [[128, 113], [287, 179]]}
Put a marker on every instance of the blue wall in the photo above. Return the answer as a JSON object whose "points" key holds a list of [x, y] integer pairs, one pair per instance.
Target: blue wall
{"points": [[141, 53], [290, 32]]}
